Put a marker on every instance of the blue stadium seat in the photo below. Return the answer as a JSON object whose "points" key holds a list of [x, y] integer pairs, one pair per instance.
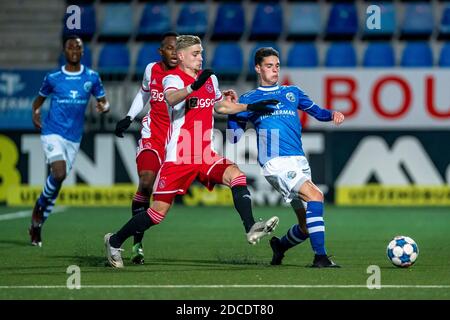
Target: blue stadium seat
{"points": [[342, 22], [305, 21], [114, 60], [379, 55], [267, 22], [444, 28], [86, 59], [147, 53], [117, 22], [155, 21], [229, 23], [227, 61], [418, 22], [251, 74], [388, 23], [303, 55], [341, 54], [444, 57], [193, 19], [87, 23], [417, 54]]}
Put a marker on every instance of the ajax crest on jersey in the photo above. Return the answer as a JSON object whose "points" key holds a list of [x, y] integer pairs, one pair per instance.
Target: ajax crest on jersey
{"points": [[209, 87], [402, 251]]}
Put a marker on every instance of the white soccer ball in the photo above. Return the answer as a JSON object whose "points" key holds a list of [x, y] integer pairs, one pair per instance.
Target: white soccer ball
{"points": [[402, 251]]}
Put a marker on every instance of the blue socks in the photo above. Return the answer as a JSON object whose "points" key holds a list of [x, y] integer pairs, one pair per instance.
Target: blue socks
{"points": [[293, 237], [316, 226], [48, 196]]}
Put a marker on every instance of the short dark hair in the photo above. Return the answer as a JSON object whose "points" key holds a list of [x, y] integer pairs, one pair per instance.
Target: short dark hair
{"points": [[70, 37], [261, 53], [169, 34]]}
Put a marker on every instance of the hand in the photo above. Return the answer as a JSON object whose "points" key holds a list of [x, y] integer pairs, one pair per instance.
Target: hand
{"points": [[202, 78], [263, 106], [230, 95], [338, 117], [102, 107], [122, 125]]}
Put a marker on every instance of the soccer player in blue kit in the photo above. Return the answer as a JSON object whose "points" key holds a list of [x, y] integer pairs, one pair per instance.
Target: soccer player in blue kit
{"points": [[62, 129], [281, 155]]}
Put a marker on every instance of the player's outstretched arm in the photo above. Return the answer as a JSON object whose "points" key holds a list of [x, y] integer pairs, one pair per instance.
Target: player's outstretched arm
{"points": [[228, 107], [37, 104]]}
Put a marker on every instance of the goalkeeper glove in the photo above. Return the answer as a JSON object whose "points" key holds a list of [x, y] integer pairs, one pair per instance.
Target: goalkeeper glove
{"points": [[122, 125], [202, 78], [263, 106]]}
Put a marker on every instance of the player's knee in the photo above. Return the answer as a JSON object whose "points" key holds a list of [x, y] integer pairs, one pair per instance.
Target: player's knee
{"points": [[317, 195], [146, 181], [231, 173]]}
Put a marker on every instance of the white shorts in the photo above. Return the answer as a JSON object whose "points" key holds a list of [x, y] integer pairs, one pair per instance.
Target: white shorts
{"points": [[57, 148], [287, 175]]}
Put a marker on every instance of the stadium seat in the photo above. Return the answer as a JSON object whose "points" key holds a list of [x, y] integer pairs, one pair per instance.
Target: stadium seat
{"points": [[417, 54], [267, 22], [193, 19], [251, 74], [341, 54], [303, 55], [342, 22], [87, 24], [114, 61], [418, 21], [444, 27], [379, 55], [229, 23], [117, 23], [147, 53], [227, 61], [305, 21], [444, 57], [388, 24], [86, 59], [155, 21]]}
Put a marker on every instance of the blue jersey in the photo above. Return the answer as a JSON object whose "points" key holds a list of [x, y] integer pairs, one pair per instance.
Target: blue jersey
{"points": [[70, 96], [279, 132]]}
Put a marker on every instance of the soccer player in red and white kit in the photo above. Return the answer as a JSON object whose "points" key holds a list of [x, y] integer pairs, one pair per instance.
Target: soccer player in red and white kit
{"points": [[191, 96], [155, 125]]}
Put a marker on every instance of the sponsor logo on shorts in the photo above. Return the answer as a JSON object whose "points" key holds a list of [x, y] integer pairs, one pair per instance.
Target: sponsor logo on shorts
{"points": [[291, 175], [147, 145], [50, 147]]}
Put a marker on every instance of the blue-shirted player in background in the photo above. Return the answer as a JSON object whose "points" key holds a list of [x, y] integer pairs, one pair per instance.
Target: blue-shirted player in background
{"points": [[281, 155], [62, 129]]}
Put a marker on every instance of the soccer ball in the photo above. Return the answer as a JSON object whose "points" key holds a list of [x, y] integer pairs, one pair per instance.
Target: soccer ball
{"points": [[402, 251]]}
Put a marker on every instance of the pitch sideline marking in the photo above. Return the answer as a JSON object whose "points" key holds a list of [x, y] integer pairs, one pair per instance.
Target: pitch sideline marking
{"points": [[25, 214], [232, 286]]}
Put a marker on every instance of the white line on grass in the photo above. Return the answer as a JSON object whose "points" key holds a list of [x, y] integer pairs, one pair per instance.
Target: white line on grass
{"points": [[227, 286], [25, 214]]}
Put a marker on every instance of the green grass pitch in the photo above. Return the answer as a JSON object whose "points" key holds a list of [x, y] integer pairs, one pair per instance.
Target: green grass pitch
{"points": [[201, 253]]}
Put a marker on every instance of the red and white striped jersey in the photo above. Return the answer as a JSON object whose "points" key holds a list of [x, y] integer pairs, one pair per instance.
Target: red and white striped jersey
{"points": [[192, 120], [155, 125]]}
